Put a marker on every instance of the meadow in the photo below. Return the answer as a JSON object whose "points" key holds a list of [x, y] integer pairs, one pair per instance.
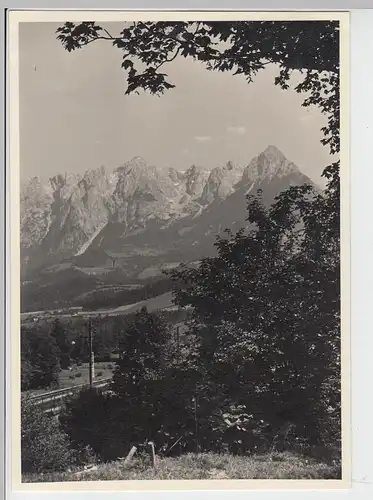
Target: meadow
{"points": [[202, 466], [80, 374]]}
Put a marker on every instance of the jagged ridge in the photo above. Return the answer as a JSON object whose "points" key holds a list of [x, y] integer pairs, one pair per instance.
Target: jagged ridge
{"points": [[141, 210]]}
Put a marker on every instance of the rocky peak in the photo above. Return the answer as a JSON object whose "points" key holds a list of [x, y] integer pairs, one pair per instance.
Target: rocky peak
{"points": [[136, 164], [175, 175], [195, 179], [36, 198], [70, 213], [63, 186], [98, 181], [273, 153], [35, 189], [221, 182], [267, 165]]}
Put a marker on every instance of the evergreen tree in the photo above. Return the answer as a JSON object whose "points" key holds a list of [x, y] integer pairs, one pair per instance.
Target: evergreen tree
{"points": [[139, 373], [63, 344]]}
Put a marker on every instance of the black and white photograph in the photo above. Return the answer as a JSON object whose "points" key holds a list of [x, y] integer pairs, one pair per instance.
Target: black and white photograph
{"points": [[180, 271]]}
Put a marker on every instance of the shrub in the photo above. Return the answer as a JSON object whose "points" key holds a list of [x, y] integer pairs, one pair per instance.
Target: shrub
{"points": [[78, 374], [100, 373], [92, 419], [45, 447], [86, 456]]}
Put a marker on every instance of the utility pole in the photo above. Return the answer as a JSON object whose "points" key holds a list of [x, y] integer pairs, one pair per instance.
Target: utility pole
{"points": [[178, 337], [91, 354]]}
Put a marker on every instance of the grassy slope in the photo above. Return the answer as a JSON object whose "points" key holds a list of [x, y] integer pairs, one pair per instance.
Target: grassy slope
{"points": [[203, 466], [153, 304], [157, 303]]}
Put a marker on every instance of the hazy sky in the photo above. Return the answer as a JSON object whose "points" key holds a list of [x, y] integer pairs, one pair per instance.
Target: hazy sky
{"points": [[74, 114]]}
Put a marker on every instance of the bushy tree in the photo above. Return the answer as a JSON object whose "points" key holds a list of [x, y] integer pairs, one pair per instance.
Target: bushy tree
{"points": [[266, 310], [39, 360], [182, 380], [45, 447], [89, 419], [139, 372], [130, 414], [151, 396], [142, 352]]}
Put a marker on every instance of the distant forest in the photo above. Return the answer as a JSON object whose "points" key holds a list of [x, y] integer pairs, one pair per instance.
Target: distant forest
{"points": [[72, 288]]}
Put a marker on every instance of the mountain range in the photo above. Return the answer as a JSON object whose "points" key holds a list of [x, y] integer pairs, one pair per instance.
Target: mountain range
{"points": [[137, 219]]}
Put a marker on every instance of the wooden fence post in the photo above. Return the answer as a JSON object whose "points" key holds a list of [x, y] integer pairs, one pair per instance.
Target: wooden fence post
{"points": [[151, 444], [130, 455]]}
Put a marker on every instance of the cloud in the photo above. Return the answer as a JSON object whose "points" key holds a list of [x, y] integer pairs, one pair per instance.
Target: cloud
{"points": [[306, 118], [202, 138], [237, 130]]}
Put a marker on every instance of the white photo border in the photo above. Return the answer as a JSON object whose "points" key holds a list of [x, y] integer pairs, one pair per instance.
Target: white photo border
{"points": [[361, 127]]}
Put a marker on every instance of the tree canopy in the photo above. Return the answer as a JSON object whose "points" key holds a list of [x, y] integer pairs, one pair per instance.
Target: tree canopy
{"points": [[39, 359], [310, 48]]}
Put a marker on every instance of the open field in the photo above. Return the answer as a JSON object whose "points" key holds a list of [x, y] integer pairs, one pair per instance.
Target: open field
{"points": [[70, 378], [202, 466]]}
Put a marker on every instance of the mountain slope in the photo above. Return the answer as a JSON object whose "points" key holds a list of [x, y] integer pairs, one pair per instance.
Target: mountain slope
{"points": [[222, 205], [140, 218]]}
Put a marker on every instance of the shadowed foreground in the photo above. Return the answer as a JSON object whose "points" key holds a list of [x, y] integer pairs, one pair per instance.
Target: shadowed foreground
{"points": [[203, 466]]}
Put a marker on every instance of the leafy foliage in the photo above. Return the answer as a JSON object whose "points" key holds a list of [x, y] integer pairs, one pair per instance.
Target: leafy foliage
{"points": [[151, 395], [261, 367], [88, 420], [142, 355], [139, 374], [266, 310], [39, 360], [309, 48], [45, 447]]}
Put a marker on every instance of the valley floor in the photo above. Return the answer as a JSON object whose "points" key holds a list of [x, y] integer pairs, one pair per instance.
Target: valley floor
{"points": [[202, 466]]}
